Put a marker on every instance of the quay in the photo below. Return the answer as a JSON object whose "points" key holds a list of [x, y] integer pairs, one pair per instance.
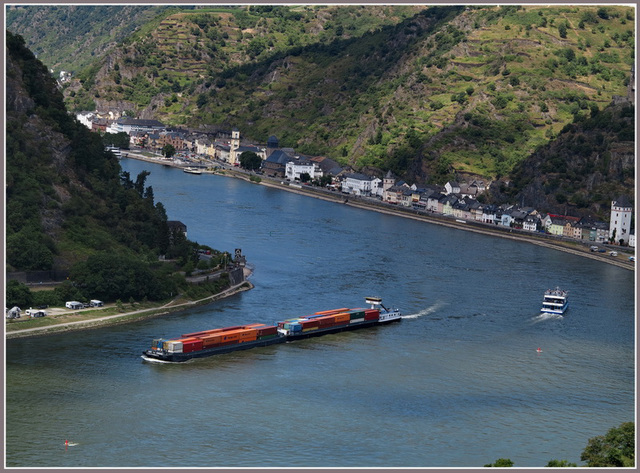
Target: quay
{"points": [[549, 241]]}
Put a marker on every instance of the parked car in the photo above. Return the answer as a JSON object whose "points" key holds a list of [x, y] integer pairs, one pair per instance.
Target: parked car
{"points": [[95, 303], [613, 253], [632, 258], [594, 248]]}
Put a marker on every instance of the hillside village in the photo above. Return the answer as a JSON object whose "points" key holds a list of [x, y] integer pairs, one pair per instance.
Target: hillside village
{"points": [[459, 200]]}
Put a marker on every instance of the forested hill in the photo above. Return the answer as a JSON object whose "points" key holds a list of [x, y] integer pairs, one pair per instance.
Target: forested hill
{"points": [[66, 198], [591, 163], [430, 93], [71, 37]]}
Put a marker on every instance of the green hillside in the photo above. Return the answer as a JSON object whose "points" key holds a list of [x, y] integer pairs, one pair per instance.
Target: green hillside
{"points": [[70, 37], [430, 93], [70, 207]]}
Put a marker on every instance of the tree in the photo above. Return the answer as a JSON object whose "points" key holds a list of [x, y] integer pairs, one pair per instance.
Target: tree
{"points": [[562, 30], [560, 464], [168, 151], [305, 177], [121, 140], [615, 449], [500, 463], [250, 161], [18, 294], [108, 276]]}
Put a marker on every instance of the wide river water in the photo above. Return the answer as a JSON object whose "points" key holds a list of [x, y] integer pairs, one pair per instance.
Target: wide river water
{"points": [[458, 383]]}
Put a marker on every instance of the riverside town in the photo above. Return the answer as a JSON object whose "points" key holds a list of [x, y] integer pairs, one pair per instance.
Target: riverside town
{"points": [[199, 152]]}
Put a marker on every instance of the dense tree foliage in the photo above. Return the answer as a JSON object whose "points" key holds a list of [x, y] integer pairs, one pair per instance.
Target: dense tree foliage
{"points": [[560, 464], [110, 277], [168, 151], [70, 206], [18, 294], [119, 140], [590, 164], [500, 463], [250, 160], [614, 449]]}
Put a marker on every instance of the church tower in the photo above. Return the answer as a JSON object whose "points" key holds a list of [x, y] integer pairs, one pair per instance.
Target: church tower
{"points": [[388, 181]]}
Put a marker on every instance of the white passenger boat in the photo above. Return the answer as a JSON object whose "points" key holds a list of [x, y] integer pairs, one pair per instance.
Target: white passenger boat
{"points": [[192, 170], [556, 301]]}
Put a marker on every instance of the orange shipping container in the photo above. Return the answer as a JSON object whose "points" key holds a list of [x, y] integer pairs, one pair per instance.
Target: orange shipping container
{"points": [[247, 339], [341, 318], [208, 332], [212, 338], [334, 311]]}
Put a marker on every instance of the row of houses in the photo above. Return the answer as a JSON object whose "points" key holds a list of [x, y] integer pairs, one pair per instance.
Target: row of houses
{"points": [[458, 201], [454, 199], [154, 135]]}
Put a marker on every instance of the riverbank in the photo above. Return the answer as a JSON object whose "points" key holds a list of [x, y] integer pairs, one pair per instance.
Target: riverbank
{"points": [[549, 241], [60, 322], [566, 245], [575, 247]]}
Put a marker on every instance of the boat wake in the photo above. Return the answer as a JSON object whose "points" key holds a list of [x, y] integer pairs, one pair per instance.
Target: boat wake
{"points": [[154, 360], [545, 316], [427, 311]]}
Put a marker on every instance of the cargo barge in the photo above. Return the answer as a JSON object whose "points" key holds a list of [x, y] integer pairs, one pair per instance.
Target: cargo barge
{"points": [[244, 337]]}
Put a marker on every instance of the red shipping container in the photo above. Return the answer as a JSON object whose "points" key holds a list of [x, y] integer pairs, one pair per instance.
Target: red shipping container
{"points": [[192, 345], [267, 331], [310, 323], [371, 314], [326, 320]]}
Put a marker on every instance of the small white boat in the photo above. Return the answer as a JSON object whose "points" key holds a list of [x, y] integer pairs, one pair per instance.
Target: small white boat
{"points": [[555, 301], [193, 170]]}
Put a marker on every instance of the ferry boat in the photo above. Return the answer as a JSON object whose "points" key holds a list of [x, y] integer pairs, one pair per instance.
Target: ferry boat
{"points": [[192, 170], [555, 301], [244, 337]]}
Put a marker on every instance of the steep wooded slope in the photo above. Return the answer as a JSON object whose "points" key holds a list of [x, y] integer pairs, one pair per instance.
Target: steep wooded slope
{"points": [[65, 196], [591, 163]]}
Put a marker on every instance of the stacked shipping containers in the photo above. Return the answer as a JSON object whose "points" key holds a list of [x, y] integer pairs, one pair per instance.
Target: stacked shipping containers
{"points": [[219, 337], [328, 319]]}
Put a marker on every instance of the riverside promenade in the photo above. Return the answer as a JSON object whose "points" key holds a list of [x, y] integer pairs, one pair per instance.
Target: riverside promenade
{"points": [[567, 245]]}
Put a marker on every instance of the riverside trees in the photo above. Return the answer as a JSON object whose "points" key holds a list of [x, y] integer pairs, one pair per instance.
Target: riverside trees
{"points": [[614, 449]]}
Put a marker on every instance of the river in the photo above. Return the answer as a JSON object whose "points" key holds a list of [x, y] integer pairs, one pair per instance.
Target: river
{"points": [[458, 383]]}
